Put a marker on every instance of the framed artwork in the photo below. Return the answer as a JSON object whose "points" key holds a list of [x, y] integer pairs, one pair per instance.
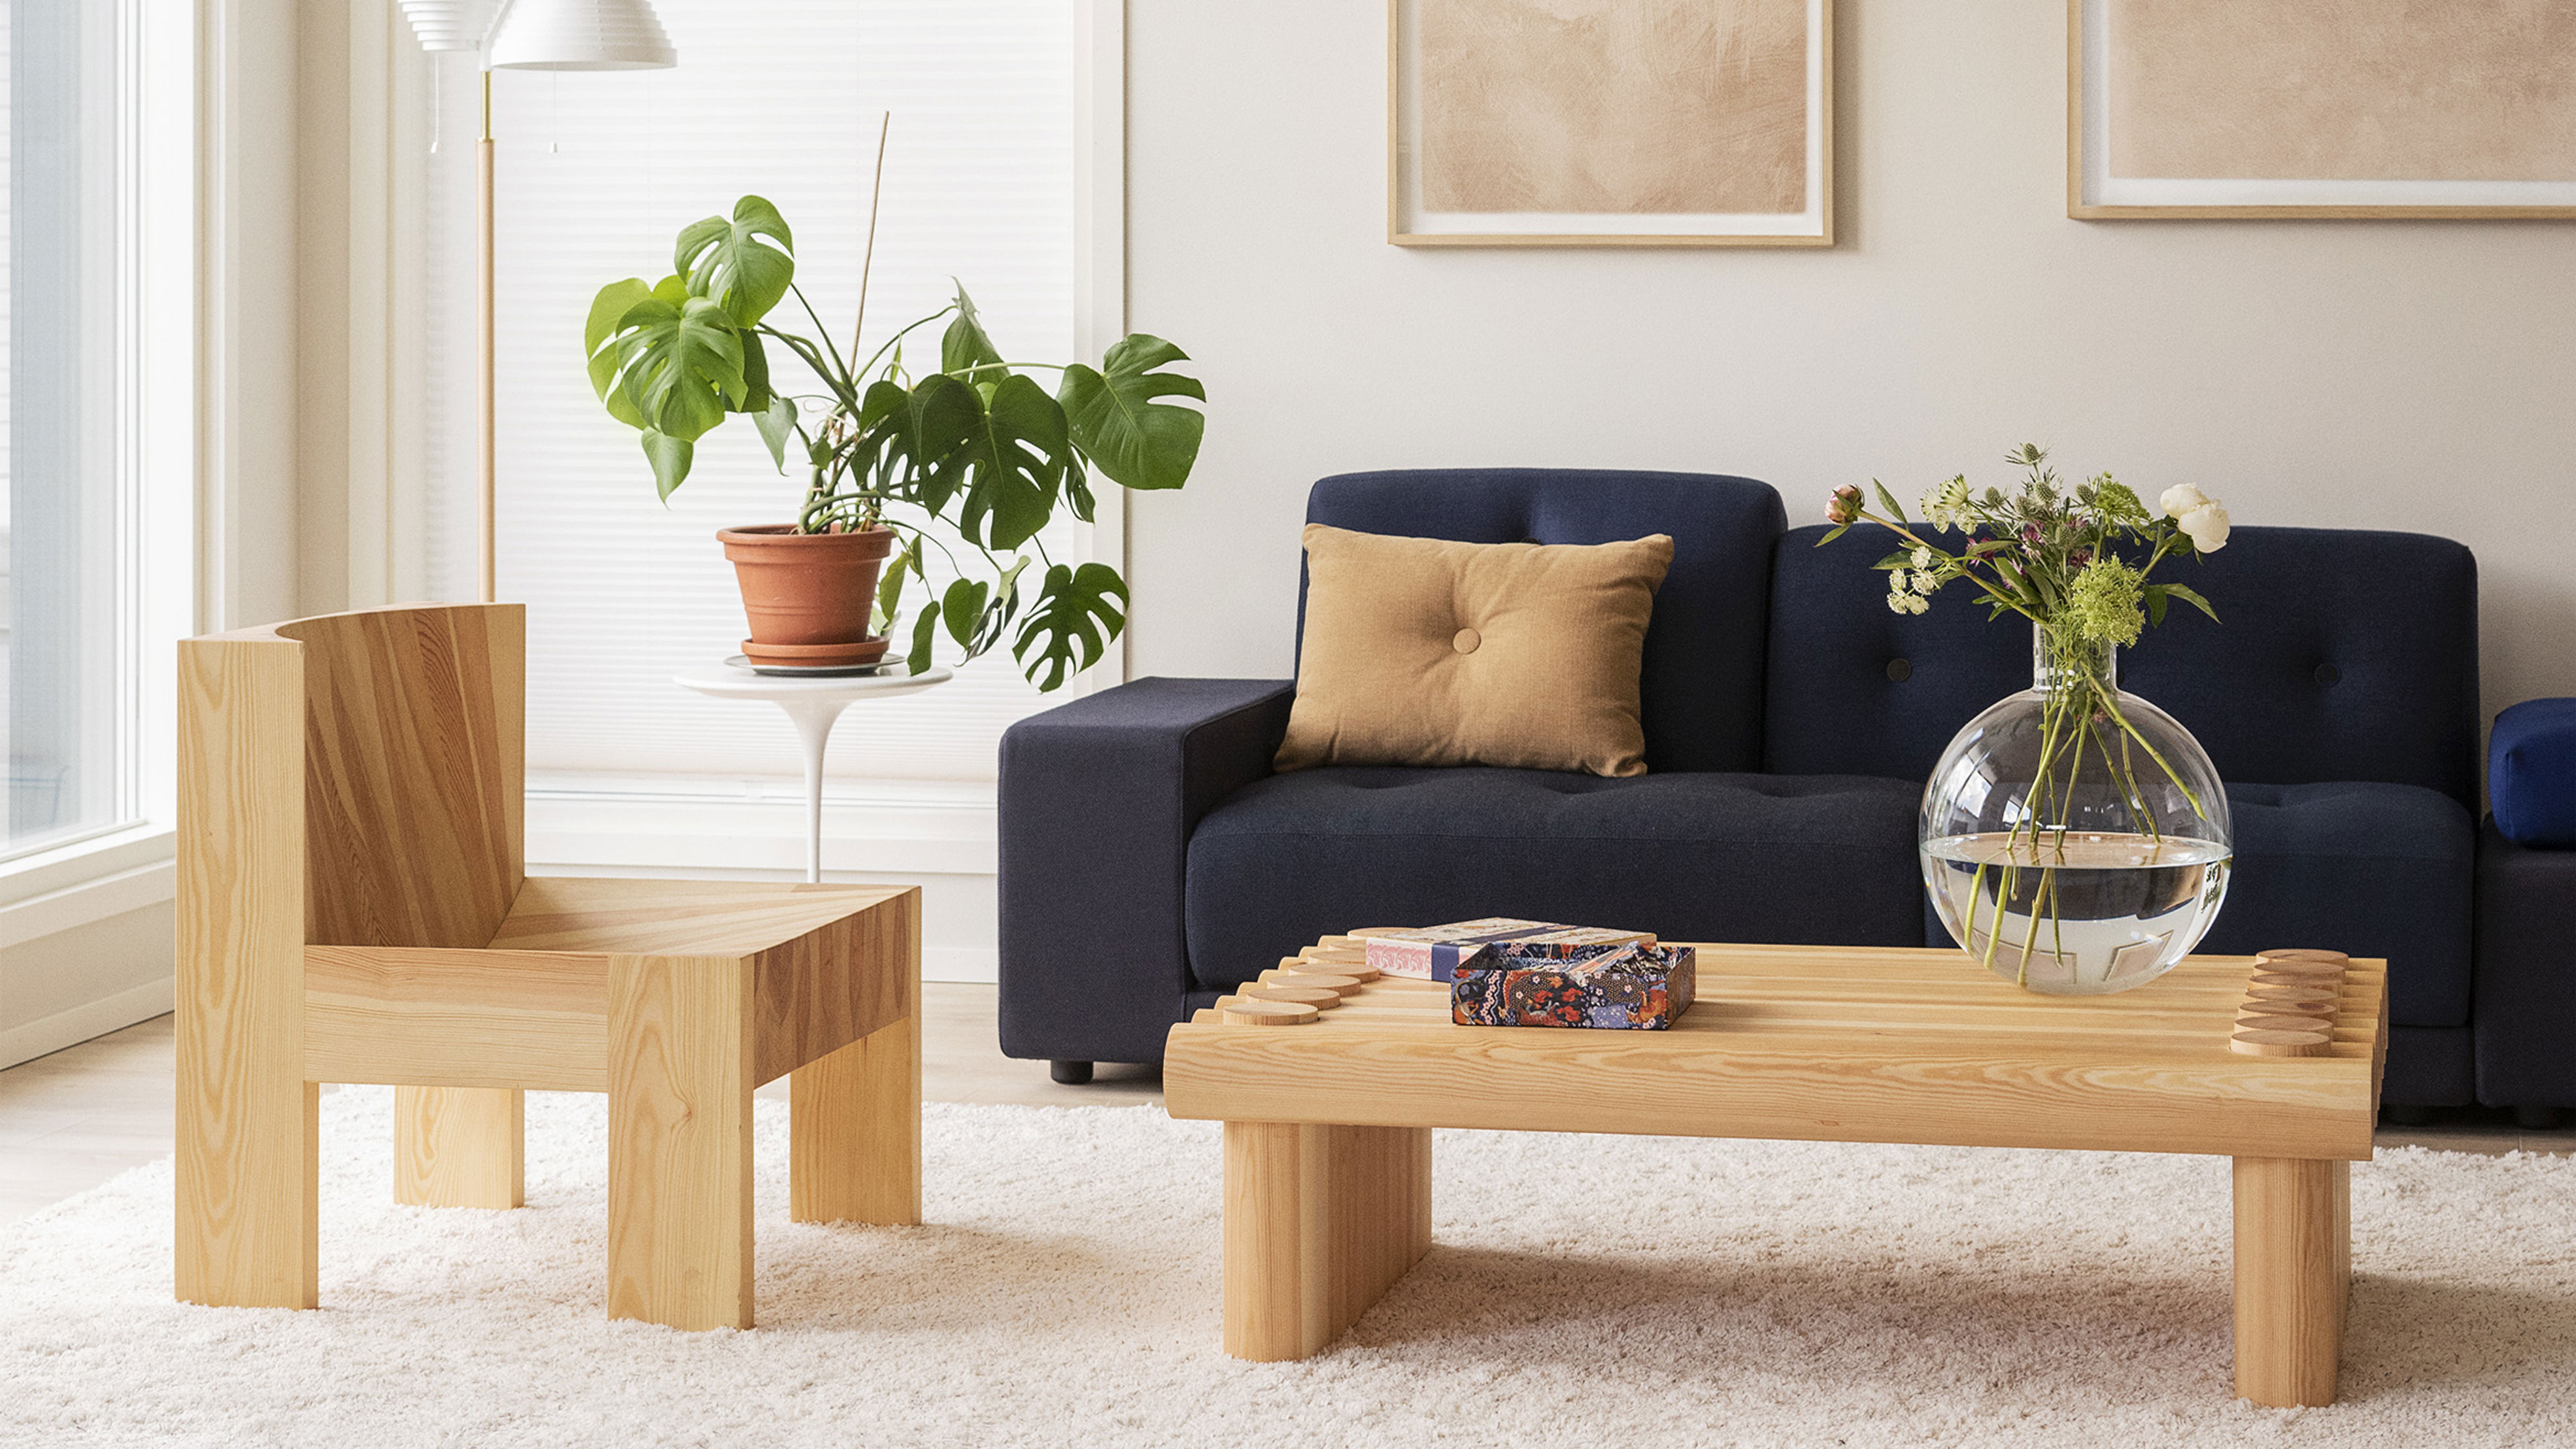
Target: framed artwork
{"points": [[2321, 108], [1610, 123]]}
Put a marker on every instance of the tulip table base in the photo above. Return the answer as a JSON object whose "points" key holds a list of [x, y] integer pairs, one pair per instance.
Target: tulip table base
{"points": [[814, 703]]}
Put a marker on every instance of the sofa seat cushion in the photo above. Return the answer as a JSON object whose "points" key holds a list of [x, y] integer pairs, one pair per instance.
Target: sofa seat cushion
{"points": [[1689, 856], [2373, 870], [2363, 868], [2369, 869]]}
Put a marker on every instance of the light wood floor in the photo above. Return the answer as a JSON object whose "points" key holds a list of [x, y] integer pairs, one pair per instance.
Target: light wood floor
{"points": [[72, 1120]]}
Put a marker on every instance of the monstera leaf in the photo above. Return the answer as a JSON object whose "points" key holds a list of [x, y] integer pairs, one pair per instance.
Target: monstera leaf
{"points": [[921, 439], [680, 365], [965, 345], [1117, 424], [612, 304], [1015, 461], [1078, 611], [743, 264]]}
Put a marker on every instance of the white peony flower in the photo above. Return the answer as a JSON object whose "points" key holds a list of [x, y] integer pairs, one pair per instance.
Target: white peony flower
{"points": [[2207, 525], [2180, 499]]}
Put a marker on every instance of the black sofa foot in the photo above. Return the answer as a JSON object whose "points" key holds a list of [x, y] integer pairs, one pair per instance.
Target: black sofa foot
{"points": [[1071, 1074], [2406, 1116], [2536, 1119]]}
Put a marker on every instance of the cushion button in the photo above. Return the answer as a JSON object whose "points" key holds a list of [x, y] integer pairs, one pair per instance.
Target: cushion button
{"points": [[1466, 640], [1900, 670], [2328, 674]]}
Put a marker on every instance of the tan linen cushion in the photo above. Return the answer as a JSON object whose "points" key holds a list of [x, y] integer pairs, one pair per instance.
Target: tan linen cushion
{"points": [[1419, 651]]}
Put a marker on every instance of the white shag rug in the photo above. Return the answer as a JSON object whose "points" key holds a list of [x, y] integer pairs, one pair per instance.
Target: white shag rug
{"points": [[1583, 1291]]}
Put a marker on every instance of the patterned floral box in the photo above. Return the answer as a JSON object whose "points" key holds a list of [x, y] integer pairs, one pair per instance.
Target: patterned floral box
{"points": [[1625, 987]]}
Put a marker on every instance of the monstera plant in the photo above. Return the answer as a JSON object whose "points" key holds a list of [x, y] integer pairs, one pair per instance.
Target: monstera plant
{"points": [[957, 470]]}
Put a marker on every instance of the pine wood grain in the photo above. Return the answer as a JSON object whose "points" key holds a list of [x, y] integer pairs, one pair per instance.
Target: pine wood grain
{"points": [[429, 1017], [1823, 1043], [415, 747], [679, 1140], [353, 909], [460, 1147], [247, 1125], [2293, 1277], [854, 1112], [854, 1131], [1319, 1222]]}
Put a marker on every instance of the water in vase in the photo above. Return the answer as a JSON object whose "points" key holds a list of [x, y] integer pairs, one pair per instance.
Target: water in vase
{"points": [[2076, 914]]}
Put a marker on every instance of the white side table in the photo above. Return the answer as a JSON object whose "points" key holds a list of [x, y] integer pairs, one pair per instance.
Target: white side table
{"points": [[813, 702]]}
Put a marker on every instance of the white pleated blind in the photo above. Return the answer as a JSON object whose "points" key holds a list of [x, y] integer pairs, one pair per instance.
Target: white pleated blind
{"points": [[597, 172]]}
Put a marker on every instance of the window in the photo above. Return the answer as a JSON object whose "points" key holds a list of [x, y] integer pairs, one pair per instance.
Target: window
{"points": [[68, 500], [596, 172]]}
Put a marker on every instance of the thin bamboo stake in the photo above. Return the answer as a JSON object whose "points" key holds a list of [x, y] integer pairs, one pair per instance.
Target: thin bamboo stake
{"points": [[876, 194]]}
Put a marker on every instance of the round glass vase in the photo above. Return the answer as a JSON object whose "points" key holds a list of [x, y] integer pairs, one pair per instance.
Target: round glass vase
{"points": [[2074, 838]]}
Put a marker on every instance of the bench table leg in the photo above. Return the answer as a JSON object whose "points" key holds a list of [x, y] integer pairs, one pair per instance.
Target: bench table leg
{"points": [[1319, 1222], [2293, 1274]]}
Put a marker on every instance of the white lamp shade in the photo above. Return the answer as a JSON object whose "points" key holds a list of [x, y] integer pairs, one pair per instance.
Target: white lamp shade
{"points": [[581, 35], [450, 24]]}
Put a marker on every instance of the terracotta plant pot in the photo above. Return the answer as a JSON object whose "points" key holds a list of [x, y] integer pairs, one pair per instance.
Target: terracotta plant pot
{"points": [[808, 595]]}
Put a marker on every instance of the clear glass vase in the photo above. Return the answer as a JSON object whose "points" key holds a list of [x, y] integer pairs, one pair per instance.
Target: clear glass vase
{"points": [[2074, 838]]}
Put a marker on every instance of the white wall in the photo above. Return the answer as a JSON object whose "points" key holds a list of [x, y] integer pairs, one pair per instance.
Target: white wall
{"points": [[2367, 374]]}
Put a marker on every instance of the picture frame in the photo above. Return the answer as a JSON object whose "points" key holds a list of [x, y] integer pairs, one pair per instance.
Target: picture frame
{"points": [[2167, 118], [1746, 163]]}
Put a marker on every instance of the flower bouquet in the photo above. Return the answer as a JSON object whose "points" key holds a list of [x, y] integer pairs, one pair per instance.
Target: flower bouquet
{"points": [[2073, 837]]}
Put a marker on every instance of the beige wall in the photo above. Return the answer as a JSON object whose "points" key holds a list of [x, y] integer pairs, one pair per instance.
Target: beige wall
{"points": [[2376, 375]]}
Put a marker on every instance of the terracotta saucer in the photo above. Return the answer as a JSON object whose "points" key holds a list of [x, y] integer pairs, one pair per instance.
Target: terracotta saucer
{"points": [[863, 651]]}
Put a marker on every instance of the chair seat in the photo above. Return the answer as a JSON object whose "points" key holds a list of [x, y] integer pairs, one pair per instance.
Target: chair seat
{"points": [[672, 917], [533, 1010]]}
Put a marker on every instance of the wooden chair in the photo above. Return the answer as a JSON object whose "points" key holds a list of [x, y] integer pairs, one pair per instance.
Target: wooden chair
{"points": [[352, 909]]}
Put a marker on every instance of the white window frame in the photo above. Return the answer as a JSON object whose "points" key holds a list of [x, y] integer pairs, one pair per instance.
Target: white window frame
{"points": [[128, 866]]}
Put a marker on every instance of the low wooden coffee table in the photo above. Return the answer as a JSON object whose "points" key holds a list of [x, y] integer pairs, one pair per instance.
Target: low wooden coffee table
{"points": [[1328, 1140]]}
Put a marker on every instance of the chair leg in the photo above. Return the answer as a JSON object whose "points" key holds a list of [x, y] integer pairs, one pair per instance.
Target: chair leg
{"points": [[460, 1146], [854, 1131], [679, 1140]]}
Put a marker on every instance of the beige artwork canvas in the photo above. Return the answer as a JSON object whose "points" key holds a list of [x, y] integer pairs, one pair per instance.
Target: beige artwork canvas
{"points": [[1613, 106], [2400, 90]]}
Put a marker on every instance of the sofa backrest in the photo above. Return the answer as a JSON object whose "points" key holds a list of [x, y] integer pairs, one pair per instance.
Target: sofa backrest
{"points": [[2342, 654], [1701, 689]]}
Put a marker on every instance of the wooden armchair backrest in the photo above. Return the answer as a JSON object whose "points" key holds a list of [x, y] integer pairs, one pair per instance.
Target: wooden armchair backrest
{"points": [[406, 729]]}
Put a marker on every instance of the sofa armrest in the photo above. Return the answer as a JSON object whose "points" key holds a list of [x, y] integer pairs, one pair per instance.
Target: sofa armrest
{"points": [[2531, 773], [1097, 802]]}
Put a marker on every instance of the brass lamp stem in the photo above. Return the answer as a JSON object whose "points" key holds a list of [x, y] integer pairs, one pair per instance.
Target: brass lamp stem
{"points": [[484, 334]]}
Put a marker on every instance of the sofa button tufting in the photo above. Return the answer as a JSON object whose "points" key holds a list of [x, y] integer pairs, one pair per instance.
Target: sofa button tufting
{"points": [[1900, 670], [2328, 674], [1466, 640]]}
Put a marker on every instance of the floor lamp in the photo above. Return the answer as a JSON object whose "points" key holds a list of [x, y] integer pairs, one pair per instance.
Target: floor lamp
{"points": [[526, 35], [462, 1146]]}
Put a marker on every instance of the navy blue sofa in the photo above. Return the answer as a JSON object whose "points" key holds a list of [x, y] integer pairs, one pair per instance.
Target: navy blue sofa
{"points": [[1151, 859]]}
